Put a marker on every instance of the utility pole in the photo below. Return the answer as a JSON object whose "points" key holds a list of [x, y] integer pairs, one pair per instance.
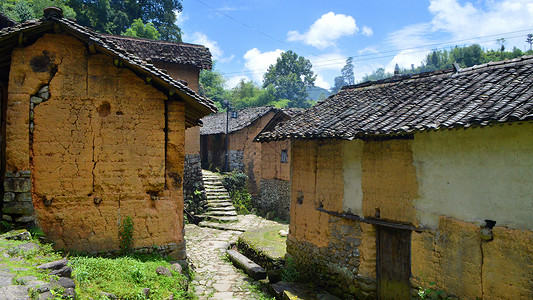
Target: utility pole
{"points": [[226, 165]]}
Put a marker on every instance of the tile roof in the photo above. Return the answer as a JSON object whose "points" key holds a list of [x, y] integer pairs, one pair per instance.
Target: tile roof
{"points": [[215, 124], [180, 53], [6, 21], [477, 96], [197, 106]]}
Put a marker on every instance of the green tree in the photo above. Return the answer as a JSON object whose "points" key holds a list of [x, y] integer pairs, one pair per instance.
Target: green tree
{"points": [[529, 40], [212, 86], [23, 10], [347, 76], [116, 16], [290, 76], [141, 30]]}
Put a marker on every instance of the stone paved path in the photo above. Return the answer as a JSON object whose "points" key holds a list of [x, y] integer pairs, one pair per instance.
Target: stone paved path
{"points": [[216, 277]]}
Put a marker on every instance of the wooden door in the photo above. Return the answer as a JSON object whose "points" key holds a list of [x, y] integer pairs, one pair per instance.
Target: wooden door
{"points": [[393, 263]]}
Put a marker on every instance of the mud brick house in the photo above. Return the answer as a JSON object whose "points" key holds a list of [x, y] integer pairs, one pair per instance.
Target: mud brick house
{"points": [[243, 154], [91, 134], [415, 180], [275, 190], [182, 61]]}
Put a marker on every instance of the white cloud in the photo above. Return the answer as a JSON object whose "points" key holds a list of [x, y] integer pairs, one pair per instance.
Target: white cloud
{"points": [[257, 62], [329, 61], [326, 30], [181, 18], [405, 58], [234, 80], [227, 59], [368, 50], [453, 21], [367, 31], [322, 83], [202, 39]]}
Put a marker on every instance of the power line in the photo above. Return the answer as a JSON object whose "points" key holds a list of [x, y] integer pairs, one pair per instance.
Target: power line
{"points": [[392, 53], [251, 27]]}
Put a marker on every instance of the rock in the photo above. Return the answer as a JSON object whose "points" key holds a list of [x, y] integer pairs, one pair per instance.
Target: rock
{"points": [[54, 265], [18, 235], [8, 197], [36, 100], [18, 292], [25, 219], [283, 233], [69, 293], [18, 208], [146, 292], [44, 288], [291, 290], [7, 218], [23, 197], [46, 296], [17, 185], [486, 234], [44, 93], [163, 271], [6, 278], [66, 271], [65, 282], [109, 295], [325, 296], [252, 269], [177, 267], [274, 275], [25, 279], [27, 247]]}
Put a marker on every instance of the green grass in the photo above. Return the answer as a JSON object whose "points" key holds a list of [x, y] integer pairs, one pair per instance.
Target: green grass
{"points": [[126, 277]]}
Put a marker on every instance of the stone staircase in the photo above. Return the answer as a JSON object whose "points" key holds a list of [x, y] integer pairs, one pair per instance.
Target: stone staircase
{"points": [[219, 206]]}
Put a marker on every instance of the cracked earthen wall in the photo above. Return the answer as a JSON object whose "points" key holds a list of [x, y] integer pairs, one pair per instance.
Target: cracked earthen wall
{"points": [[398, 177], [242, 140], [97, 152]]}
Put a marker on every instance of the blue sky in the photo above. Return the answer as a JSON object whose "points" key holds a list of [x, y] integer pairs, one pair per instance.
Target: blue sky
{"points": [[245, 37]]}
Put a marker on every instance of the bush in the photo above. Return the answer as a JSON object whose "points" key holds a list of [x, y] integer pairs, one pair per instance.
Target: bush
{"points": [[235, 183]]}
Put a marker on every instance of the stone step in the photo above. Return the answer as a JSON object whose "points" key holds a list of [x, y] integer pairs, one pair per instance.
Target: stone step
{"points": [[216, 189], [222, 200], [218, 196], [221, 219], [219, 204], [226, 213], [220, 226], [221, 208]]}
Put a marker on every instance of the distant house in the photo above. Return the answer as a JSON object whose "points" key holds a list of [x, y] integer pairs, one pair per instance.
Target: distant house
{"points": [[183, 62], [275, 191], [414, 180], [243, 154], [91, 134]]}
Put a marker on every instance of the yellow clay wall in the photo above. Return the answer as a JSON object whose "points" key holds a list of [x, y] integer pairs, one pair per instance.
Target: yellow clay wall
{"points": [[271, 165], [99, 138]]}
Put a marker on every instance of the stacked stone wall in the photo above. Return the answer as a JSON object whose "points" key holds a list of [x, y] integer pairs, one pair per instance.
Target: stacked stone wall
{"points": [[96, 150], [275, 198]]}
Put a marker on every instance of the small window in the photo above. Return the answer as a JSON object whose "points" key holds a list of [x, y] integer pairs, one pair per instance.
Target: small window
{"points": [[284, 156], [234, 114]]}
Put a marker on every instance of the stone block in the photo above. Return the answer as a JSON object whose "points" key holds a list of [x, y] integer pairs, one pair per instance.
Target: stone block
{"points": [[18, 208], [23, 197], [17, 185], [9, 197], [25, 219]]}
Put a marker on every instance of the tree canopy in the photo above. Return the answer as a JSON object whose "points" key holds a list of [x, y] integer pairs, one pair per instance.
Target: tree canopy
{"points": [[23, 10], [290, 76], [141, 30], [347, 76]]}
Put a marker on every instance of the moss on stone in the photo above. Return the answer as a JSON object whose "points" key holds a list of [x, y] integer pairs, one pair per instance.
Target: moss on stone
{"points": [[264, 246]]}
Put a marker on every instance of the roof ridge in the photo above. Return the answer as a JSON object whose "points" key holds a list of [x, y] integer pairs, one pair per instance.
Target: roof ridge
{"points": [[399, 78], [125, 37]]}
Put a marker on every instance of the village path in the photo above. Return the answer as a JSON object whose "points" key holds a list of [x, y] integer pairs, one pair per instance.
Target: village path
{"points": [[216, 277]]}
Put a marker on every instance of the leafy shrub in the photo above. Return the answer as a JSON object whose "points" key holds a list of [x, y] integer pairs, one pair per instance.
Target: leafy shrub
{"points": [[235, 183], [290, 271], [126, 235]]}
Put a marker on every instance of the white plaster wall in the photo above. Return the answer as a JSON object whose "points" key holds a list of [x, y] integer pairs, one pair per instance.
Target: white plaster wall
{"points": [[476, 174], [352, 175]]}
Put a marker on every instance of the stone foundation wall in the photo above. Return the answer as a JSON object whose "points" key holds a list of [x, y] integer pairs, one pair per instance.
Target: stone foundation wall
{"points": [[235, 160], [335, 266], [275, 197], [192, 182], [17, 204]]}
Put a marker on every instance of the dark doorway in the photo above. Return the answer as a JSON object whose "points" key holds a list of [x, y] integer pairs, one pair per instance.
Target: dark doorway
{"points": [[3, 106], [393, 263]]}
